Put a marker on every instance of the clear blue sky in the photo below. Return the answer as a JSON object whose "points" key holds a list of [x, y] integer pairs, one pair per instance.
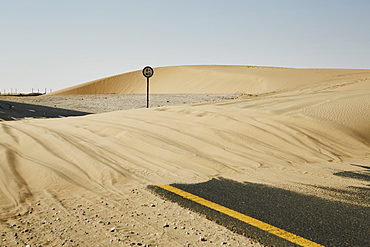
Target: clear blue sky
{"points": [[55, 44]]}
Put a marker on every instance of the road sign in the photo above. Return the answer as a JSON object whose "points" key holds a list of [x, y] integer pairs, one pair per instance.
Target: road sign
{"points": [[148, 72]]}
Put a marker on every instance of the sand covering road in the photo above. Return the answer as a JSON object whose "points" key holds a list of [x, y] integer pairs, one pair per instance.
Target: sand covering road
{"points": [[292, 128]]}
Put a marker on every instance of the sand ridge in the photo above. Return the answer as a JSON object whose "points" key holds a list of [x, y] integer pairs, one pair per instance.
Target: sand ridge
{"points": [[296, 131], [218, 79]]}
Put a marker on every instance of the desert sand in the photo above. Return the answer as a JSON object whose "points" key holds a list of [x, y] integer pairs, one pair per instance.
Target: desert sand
{"points": [[82, 180]]}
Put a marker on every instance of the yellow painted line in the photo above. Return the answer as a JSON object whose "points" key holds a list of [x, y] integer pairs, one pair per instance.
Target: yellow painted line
{"points": [[2, 120], [242, 217]]}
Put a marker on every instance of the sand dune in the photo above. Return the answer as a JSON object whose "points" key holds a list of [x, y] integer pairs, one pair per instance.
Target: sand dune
{"points": [[304, 126], [217, 79]]}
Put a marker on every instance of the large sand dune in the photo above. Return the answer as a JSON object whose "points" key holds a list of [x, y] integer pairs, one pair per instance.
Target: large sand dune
{"points": [[217, 79], [299, 128]]}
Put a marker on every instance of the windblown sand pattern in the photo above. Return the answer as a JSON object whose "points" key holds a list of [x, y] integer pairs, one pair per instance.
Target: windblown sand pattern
{"points": [[291, 128]]}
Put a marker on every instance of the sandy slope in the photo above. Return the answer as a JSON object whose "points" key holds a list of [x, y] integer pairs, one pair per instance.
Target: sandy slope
{"points": [[217, 79], [304, 126]]}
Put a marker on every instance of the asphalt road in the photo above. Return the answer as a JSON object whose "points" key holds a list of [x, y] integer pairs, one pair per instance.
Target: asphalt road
{"points": [[10, 111], [324, 222]]}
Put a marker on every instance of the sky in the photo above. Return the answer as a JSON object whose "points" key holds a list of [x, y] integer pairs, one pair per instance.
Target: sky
{"points": [[52, 44]]}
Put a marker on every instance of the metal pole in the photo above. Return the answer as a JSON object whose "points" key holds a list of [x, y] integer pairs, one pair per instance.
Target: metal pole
{"points": [[147, 92]]}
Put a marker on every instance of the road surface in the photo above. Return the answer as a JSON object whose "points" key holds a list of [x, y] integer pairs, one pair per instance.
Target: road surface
{"points": [[275, 216], [10, 111]]}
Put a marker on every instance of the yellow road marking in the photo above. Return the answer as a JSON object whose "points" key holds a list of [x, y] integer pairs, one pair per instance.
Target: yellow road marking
{"points": [[247, 219], [2, 120]]}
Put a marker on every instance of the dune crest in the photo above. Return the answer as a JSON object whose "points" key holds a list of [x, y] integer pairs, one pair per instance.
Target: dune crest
{"points": [[217, 79]]}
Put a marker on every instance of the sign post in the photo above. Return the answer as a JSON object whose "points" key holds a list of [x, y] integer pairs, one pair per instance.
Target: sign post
{"points": [[147, 72]]}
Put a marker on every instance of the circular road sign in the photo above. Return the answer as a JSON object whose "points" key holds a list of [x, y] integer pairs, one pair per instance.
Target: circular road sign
{"points": [[148, 72]]}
